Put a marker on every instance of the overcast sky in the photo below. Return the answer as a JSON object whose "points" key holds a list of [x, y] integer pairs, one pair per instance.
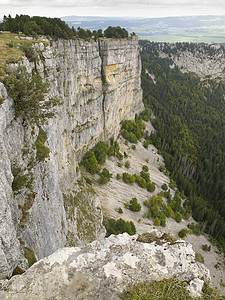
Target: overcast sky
{"points": [[129, 8]]}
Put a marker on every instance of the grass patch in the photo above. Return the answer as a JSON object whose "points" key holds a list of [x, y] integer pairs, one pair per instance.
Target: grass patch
{"points": [[42, 150], [167, 289], [30, 256]]}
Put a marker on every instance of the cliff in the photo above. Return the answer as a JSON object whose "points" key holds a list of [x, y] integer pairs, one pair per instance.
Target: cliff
{"points": [[46, 204], [103, 269]]}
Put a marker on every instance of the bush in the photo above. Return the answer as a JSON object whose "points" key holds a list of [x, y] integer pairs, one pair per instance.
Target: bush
{"points": [[178, 217], [150, 187], [28, 94], [42, 152], [206, 247], [164, 187], [103, 179], [199, 258], [127, 178], [119, 164], [140, 181], [125, 154], [90, 162], [120, 211], [146, 176], [119, 226], [162, 169], [195, 228], [145, 168], [127, 164], [133, 147], [134, 205], [172, 184], [157, 221], [106, 173], [118, 176], [100, 151], [182, 233]]}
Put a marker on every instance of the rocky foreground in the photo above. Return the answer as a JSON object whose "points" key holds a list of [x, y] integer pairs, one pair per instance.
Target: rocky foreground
{"points": [[103, 269]]}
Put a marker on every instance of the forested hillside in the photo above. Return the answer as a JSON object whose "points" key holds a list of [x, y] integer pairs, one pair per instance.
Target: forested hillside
{"points": [[190, 133]]}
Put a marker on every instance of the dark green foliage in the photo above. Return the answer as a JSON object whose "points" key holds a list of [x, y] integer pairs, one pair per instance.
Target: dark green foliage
{"points": [[90, 162], [145, 168], [150, 187], [140, 181], [125, 155], [146, 114], [146, 176], [206, 247], [103, 179], [42, 150], [105, 176], [19, 179], [178, 217], [28, 50], [134, 205], [127, 164], [88, 180], [132, 130], [119, 226], [120, 211], [182, 233], [188, 126], [157, 221], [100, 151], [164, 187], [28, 93], [127, 178], [118, 176], [115, 32], [195, 228], [133, 147]]}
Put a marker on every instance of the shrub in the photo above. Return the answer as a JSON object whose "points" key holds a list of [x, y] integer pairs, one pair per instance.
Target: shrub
{"points": [[172, 184], [88, 180], [150, 187], [90, 162], [162, 168], [127, 164], [125, 155], [28, 94], [119, 164], [100, 151], [167, 210], [182, 233], [140, 181], [164, 187], [119, 155], [206, 247], [118, 176], [178, 217], [146, 176], [147, 160], [120, 211], [195, 228], [133, 147], [119, 226], [157, 221], [106, 173], [103, 179], [42, 151], [145, 168], [127, 178], [134, 205], [199, 258]]}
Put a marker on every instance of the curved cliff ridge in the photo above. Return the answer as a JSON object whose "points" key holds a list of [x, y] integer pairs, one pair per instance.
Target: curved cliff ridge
{"points": [[58, 209], [103, 269]]}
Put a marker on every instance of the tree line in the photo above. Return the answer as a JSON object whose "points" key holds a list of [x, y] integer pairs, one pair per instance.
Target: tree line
{"points": [[190, 132], [56, 28]]}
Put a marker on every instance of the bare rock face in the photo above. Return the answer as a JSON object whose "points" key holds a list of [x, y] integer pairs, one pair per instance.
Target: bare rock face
{"points": [[103, 269], [51, 205]]}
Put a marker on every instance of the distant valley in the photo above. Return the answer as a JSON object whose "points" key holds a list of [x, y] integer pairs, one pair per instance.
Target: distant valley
{"points": [[208, 29]]}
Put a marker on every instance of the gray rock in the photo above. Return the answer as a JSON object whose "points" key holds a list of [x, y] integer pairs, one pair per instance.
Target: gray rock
{"points": [[103, 269], [59, 209]]}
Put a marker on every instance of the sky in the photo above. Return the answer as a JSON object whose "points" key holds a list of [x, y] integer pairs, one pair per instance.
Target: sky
{"points": [[112, 8]]}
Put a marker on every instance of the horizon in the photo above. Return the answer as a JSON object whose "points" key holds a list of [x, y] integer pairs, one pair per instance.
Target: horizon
{"points": [[112, 8]]}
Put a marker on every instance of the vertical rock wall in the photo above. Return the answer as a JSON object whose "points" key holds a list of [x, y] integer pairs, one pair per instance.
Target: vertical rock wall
{"points": [[98, 84]]}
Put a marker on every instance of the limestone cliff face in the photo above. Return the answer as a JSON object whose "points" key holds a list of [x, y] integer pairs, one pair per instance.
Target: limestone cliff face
{"points": [[98, 84]]}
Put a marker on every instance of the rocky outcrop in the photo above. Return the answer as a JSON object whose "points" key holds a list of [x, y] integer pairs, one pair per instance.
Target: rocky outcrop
{"points": [[51, 205], [103, 269]]}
